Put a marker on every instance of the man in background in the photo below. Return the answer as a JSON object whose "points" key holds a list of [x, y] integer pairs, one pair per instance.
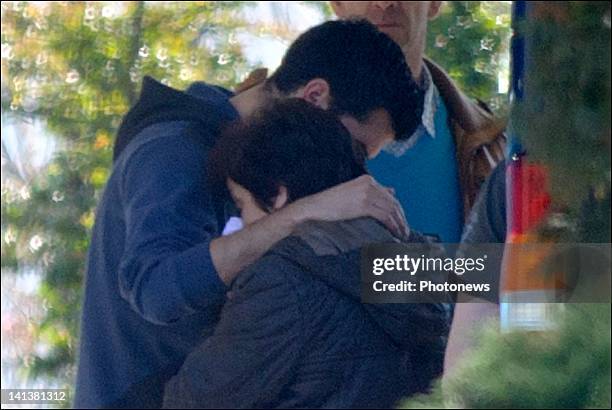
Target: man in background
{"points": [[436, 172]]}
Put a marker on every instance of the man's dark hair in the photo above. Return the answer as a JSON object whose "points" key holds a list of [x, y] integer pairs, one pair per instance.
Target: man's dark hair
{"points": [[365, 69], [291, 143]]}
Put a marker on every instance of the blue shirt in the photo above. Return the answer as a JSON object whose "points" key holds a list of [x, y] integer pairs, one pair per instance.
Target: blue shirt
{"points": [[425, 177], [151, 290]]}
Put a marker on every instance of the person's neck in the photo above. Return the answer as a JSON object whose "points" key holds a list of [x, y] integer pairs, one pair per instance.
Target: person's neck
{"points": [[249, 101], [414, 54]]}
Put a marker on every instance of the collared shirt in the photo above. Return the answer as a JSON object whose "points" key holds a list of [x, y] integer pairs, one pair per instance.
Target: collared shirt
{"points": [[423, 170], [427, 128]]}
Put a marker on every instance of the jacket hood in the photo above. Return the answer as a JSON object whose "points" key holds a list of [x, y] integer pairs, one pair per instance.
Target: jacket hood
{"points": [[206, 105], [334, 257]]}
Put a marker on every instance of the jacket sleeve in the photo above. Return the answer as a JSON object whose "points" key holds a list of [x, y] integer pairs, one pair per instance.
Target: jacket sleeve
{"points": [[487, 220], [254, 349], [166, 271]]}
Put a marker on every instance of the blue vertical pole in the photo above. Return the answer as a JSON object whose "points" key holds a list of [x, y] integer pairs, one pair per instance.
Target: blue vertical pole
{"points": [[517, 69]]}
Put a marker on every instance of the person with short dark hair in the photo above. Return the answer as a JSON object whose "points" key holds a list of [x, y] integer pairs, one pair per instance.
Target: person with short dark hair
{"points": [[357, 92], [294, 333], [157, 270], [292, 145], [438, 169]]}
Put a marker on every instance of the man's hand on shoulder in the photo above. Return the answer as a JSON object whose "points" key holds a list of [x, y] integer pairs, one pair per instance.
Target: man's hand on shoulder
{"points": [[360, 197]]}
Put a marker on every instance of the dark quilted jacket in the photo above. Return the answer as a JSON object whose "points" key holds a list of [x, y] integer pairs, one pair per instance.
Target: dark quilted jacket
{"points": [[295, 333]]}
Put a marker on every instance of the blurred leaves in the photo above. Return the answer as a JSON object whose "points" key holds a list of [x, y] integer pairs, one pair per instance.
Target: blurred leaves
{"points": [[567, 368], [77, 68], [470, 40], [564, 120]]}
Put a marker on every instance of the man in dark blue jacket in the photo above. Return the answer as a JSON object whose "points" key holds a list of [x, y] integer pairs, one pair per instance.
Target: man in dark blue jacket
{"points": [[295, 333], [157, 270]]}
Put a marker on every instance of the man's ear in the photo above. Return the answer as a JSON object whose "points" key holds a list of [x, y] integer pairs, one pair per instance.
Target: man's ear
{"points": [[316, 92], [434, 9], [282, 197]]}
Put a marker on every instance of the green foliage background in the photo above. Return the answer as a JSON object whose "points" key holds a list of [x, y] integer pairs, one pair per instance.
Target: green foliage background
{"points": [[565, 121], [76, 68], [469, 39], [569, 368]]}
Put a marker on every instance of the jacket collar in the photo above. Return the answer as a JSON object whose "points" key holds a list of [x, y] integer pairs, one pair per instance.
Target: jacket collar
{"points": [[478, 124], [333, 238], [468, 115]]}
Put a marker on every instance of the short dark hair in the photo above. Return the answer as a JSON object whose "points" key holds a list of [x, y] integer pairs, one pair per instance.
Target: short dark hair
{"points": [[365, 69], [291, 143]]}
